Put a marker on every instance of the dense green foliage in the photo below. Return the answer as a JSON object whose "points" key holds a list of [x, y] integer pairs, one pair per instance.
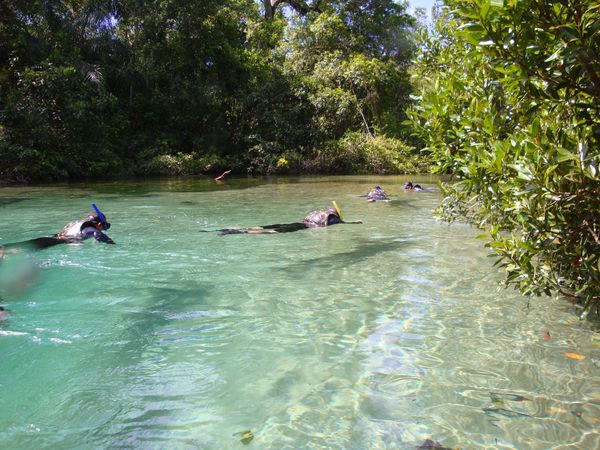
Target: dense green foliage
{"points": [[510, 107], [93, 88]]}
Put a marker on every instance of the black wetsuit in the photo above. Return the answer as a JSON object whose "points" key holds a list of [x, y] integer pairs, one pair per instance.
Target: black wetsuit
{"points": [[275, 228], [314, 219]]}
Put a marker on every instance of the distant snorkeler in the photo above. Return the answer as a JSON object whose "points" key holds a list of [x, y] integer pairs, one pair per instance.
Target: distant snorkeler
{"points": [[376, 194], [411, 186], [78, 231], [314, 219]]}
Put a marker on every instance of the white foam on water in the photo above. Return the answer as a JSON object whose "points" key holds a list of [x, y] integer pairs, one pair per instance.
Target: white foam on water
{"points": [[60, 341], [12, 333]]}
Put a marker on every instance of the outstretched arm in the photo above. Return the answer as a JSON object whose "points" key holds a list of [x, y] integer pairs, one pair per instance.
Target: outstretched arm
{"points": [[101, 237], [104, 238], [89, 232], [220, 177]]}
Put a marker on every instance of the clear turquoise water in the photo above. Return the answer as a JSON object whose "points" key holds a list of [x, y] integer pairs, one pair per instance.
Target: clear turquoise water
{"points": [[378, 335]]}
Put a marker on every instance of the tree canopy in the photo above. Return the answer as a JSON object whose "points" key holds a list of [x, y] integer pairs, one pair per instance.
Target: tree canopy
{"points": [[96, 87]]}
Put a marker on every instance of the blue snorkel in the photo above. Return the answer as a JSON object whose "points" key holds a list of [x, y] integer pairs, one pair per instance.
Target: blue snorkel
{"points": [[105, 224]]}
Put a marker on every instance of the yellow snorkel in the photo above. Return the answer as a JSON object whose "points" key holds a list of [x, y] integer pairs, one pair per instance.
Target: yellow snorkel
{"points": [[337, 209]]}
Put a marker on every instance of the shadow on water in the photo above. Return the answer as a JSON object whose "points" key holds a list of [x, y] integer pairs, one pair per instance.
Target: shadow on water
{"points": [[404, 203], [410, 201], [178, 184], [134, 324], [203, 183], [363, 251], [126, 359], [148, 346], [160, 304], [5, 201]]}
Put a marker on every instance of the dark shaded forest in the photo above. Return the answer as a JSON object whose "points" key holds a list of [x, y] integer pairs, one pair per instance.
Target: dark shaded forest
{"points": [[99, 88]]}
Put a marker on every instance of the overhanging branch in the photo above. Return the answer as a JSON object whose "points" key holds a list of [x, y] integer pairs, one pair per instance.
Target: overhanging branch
{"points": [[300, 6]]}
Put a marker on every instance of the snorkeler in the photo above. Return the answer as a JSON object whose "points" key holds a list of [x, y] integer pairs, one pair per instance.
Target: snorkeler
{"points": [[314, 219], [80, 230], [412, 187], [376, 194], [91, 226]]}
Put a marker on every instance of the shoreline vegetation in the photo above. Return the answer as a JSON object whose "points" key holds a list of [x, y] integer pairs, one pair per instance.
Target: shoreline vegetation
{"points": [[128, 88], [375, 156]]}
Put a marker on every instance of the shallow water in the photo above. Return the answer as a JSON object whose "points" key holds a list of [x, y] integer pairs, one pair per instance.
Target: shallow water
{"points": [[379, 335]]}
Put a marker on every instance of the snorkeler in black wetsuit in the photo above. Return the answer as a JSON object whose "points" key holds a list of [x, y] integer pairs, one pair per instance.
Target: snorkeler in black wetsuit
{"points": [[376, 194], [412, 187], [314, 219], [74, 232]]}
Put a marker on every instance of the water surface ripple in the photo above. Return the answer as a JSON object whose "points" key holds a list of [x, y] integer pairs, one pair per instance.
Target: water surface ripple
{"points": [[379, 335]]}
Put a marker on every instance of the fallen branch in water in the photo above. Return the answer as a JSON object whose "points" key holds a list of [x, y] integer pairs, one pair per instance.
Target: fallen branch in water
{"points": [[220, 177]]}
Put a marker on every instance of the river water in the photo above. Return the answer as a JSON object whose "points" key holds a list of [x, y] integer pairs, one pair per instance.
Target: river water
{"points": [[379, 335]]}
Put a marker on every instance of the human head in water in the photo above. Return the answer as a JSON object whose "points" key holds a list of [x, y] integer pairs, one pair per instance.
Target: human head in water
{"points": [[377, 193], [99, 218], [333, 216], [98, 221]]}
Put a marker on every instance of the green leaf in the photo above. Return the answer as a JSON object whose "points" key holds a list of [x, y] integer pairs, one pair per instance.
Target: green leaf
{"points": [[471, 13], [506, 70], [554, 55], [484, 8], [565, 155]]}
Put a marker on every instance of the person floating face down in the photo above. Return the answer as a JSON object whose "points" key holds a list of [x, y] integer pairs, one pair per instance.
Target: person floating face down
{"points": [[314, 219], [78, 231], [324, 218], [377, 194], [92, 226]]}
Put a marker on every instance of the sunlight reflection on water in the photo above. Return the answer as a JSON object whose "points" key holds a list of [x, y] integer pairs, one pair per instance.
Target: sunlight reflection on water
{"points": [[379, 335]]}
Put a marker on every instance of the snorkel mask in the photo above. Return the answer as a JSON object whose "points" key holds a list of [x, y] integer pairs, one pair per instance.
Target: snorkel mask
{"points": [[337, 209], [102, 217]]}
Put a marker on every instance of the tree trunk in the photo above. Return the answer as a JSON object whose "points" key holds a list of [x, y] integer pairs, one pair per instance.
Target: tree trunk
{"points": [[300, 6], [269, 10]]}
